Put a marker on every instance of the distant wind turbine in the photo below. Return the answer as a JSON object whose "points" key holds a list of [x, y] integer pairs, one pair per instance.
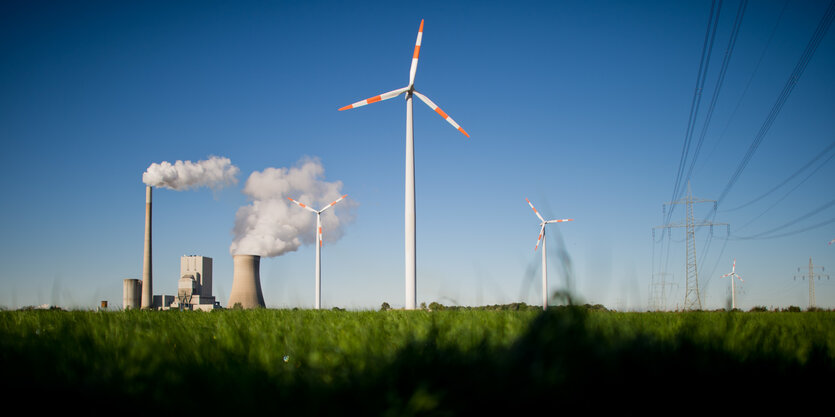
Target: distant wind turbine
{"points": [[830, 242], [544, 264], [318, 244], [409, 90], [733, 274]]}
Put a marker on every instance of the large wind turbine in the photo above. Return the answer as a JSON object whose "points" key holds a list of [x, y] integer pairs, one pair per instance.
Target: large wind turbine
{"points": [[733, 274], [544, 264], [318, 301], [409, 90]]}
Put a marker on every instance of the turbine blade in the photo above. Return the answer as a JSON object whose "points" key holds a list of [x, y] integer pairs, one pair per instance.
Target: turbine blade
{"points": [[733, 268], [726, 275], [534, 210], [739, 276], [302, 205], [413, 69], [381, 97], [559, 221], [541, 232], [438, 110], [334, 203]]}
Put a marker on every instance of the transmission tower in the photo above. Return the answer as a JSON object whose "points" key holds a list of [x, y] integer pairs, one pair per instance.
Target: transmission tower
{"points": [[658, 291], [692, 300], [811, 277]]}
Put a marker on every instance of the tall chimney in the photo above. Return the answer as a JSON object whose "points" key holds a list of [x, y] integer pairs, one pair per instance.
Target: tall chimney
{"points": [[246, 282], [147, 273]]}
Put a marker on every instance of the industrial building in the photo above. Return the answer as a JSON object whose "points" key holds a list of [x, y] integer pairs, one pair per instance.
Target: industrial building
{"points": [[194, 288]]}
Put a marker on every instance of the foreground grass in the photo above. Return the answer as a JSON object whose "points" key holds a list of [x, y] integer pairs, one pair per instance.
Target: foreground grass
{"points": [[409, 363]]}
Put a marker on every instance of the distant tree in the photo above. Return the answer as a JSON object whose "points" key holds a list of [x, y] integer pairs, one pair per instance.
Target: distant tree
{"points": [[385, 306], [436, 306], [423, 306], [758, 309], [338, 309], [793, 309]]}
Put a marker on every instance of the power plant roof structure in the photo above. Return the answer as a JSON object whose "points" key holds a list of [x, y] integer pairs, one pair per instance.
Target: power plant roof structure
{"points": [[410, 222]]}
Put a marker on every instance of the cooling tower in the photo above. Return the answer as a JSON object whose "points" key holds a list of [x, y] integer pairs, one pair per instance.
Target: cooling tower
{"points": [[246, 282], [147, 284]]}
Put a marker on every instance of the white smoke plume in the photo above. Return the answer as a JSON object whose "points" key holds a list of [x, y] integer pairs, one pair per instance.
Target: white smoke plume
{"points": [[272, 225], [215, 172]]}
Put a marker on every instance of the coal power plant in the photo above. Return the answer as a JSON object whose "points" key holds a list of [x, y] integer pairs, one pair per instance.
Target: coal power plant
{"points": [[194, 285], [246, 283]]}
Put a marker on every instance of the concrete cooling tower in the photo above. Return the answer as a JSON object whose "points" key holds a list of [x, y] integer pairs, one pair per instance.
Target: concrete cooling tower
{"points": [[246, 282]]}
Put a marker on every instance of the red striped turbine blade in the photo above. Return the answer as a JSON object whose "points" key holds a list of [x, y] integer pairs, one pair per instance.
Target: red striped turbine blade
{"points": [[334, 203], [438, 110], [413, 68], [534, 209], [539, 239], [301, 205], [381, 97]]}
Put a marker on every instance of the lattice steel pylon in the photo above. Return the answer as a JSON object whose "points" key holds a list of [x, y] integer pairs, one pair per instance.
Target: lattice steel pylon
{"points": [[811, 276], [692, 299]]}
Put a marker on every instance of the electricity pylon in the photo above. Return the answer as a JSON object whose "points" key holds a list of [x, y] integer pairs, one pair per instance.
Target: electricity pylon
{"points": [[658, 291], [692, 300], [811, 277]]}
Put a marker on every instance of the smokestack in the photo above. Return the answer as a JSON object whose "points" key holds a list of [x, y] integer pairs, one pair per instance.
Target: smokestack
{"points": [[147, 273], [246, 282]]}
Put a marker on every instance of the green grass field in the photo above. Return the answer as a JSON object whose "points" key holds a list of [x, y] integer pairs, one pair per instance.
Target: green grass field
{"points": [[464, 362]]}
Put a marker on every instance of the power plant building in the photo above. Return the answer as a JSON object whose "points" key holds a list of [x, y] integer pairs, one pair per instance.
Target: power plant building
{"points": [[194, 288]]}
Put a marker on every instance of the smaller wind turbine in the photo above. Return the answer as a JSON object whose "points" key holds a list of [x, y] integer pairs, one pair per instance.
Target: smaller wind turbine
{"points": [[733, 274], [830, 242], [318, 244], [544, 264]]}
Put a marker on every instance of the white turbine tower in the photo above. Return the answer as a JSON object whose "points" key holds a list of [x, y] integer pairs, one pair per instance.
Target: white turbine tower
{"points": [[409, 90], [733, 274], [318, 301], [544, 264]]}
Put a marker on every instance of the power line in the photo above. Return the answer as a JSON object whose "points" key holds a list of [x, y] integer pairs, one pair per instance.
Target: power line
{"points": [[707, 47], [811, 47], [789, 192], [803, 168], [790, 223], [723, 69]]}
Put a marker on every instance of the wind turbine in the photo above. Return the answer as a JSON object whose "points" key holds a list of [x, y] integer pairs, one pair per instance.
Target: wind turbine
{"points": [[733, 274], [830, 242], [409, 90], [318, 244], [544, 264]]}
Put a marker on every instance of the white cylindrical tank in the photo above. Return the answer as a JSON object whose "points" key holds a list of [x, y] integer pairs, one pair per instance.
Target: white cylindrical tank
{"points": [[246, 282], [131, 293]]}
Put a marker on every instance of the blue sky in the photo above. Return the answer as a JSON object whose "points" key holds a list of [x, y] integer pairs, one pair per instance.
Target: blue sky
{"points": [[581, 107]]}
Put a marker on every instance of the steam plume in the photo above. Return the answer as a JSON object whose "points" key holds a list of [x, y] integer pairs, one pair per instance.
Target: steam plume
{"points": [[215, 172], [271, 225]]}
